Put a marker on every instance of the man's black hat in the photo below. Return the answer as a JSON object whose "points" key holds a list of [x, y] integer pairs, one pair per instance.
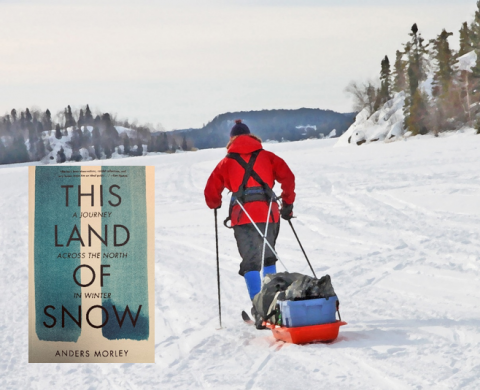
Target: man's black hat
{"points": [[239, 128]]}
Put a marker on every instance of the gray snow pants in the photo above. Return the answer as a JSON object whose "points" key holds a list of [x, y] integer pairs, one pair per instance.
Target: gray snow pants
{"points": [[250, 246]]}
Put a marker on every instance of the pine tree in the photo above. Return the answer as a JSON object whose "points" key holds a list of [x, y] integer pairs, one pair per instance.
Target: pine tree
{"points": [[151, 145], [418, 119], [164, 143], [22, 120], [96, 140], [416, 52], [107, 151], [61, 158], [38, 126], [416, 59], [88, 116], [70, 116], [87, 137], [95, 135], [444, 73], [41, 152], [7, 124], [28, 115], [139, 147], [58, 133], [475, 41], [20, 150], [385, 83], [110, 137], [81, 119], [475, 28], [79, 136], [126, 145], [465, 40], [69, 119], [13, 113], [161, 143], [47, 120]]}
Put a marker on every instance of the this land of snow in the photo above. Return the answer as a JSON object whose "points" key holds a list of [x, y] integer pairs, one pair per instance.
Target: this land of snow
{"points": [[396, 226]]}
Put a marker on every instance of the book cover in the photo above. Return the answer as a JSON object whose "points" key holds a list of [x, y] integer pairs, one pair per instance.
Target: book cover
{"points": [[91, 264]]}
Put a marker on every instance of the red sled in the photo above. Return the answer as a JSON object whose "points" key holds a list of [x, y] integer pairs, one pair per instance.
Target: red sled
{"points": [[307, 334]]}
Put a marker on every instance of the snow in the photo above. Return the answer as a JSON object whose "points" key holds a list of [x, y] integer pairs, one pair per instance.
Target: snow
{"points": [[386, 124], [427, 86], [396, 225], [466, 62]]}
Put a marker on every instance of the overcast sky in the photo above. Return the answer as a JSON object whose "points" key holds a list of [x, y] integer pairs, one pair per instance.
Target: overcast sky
{"points": [[180, 63]]}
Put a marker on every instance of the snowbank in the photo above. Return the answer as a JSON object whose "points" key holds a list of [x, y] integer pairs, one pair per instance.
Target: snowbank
{"points": [[384, 125]]}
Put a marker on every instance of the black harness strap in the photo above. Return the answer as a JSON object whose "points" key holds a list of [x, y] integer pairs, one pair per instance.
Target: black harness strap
{"points": [[240, 194], [249, 172]]}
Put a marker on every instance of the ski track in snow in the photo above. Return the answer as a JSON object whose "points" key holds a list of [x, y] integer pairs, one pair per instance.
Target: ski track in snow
{"points": [[397, 226]]}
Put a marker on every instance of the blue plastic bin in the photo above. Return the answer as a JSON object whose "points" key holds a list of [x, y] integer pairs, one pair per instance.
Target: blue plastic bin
{"points": [[308, 312]]}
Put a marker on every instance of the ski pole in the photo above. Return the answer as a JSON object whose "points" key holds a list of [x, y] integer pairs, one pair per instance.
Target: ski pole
{"points": [[266, 230], [261, 234], [218, 271], [299, 243]]}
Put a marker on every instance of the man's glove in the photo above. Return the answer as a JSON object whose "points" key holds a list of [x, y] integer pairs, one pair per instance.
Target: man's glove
{"points": [[286, 211]]}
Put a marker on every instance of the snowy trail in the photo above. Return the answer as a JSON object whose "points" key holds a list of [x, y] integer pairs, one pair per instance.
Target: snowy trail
{"points": [[397, 226]]}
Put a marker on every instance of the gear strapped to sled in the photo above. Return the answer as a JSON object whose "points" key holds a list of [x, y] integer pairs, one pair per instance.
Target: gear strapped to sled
{"points": [[253, 194]]}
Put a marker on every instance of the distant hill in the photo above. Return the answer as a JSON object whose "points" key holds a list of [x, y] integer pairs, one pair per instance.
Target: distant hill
{"points": [[279, 125]]}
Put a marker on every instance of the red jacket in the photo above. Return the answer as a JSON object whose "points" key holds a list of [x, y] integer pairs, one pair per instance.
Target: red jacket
{"points": [[229, 174]]}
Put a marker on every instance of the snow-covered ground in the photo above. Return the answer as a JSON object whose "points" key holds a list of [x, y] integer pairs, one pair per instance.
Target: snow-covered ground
{"points": [[396, 225]]}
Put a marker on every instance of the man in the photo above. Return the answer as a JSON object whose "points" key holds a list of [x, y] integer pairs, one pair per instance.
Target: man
{"points": [[250, 172]]}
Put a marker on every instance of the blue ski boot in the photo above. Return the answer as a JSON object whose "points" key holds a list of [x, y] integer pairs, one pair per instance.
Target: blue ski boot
{"points": [[254, 283], [270, 269]]}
